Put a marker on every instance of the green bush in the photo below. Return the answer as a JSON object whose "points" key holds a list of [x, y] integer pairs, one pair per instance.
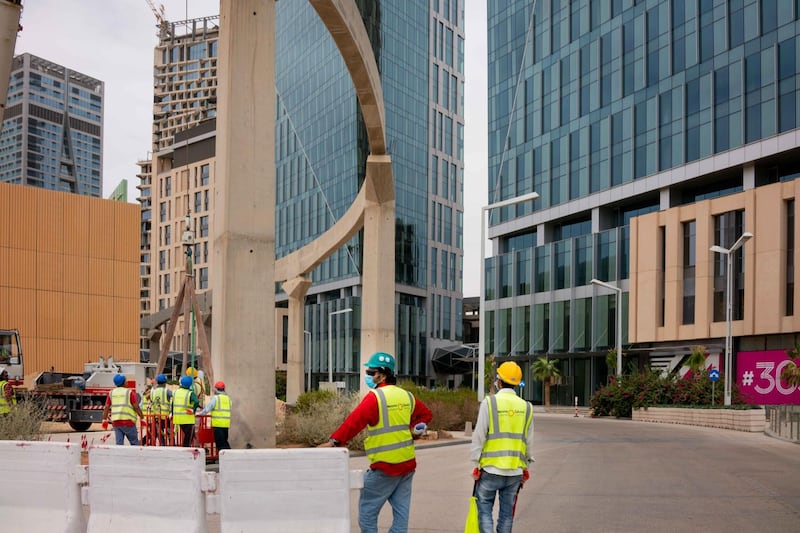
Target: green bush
{"points": [[280, 385], [316, 415], [648, 389], [451, 408], [23, 422]]}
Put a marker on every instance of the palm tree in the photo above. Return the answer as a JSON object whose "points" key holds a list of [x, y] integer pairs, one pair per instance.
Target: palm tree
{"points": [[545, 370], [697, 361], [791, 372], [611, 361]]}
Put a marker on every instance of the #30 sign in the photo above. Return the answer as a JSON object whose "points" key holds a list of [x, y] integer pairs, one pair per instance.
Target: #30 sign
{"points": [[758, 376]]}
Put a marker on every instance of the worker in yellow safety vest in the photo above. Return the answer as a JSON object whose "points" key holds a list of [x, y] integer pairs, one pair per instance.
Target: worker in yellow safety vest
{"points": [[184, 406], [122, 405], [502, 448], [7, 398], [220, 408], [391, 415], [160, 399]]}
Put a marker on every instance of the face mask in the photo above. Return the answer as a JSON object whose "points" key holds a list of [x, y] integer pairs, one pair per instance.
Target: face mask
{"points": [[370, 382]]}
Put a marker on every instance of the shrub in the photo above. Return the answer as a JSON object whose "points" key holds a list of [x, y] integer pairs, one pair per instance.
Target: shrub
{"points": [[316, 415], [451, 408], [23, 422]]}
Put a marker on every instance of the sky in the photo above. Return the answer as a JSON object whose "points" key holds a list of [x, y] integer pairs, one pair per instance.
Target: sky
{"points": [[113, 40]]}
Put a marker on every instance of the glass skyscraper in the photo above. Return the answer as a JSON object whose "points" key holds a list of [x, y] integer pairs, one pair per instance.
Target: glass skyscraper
{"points": [[612, 109], [321, 151], [52, 128]]}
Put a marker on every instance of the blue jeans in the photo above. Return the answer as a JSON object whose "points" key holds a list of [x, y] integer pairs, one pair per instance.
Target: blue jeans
{"points": [[506, 489], [378, 487], [121, 432]]}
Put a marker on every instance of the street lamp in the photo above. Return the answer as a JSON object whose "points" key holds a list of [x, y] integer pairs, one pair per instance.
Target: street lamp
{"points": [[309, 345], [746, 236], [330, 341], [482, 300], [618, 290]]}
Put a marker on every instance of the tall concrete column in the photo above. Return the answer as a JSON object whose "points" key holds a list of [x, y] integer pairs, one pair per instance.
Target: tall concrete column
{"points": [[243, 267], [296, 289], [377, 301]]}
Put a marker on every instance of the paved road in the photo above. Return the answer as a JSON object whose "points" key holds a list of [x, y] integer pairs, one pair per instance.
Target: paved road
{"points": [[607, 475]]}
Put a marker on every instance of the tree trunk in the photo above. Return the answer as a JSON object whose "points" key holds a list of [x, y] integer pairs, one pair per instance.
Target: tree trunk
{"points": [[547, 393]]}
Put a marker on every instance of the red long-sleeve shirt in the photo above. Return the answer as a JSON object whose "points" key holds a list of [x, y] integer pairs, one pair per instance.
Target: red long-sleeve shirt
{"points": [[366, 414]]}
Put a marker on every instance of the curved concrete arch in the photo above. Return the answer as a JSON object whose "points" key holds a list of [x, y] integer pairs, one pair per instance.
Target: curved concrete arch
{"points": [[373, 208]]}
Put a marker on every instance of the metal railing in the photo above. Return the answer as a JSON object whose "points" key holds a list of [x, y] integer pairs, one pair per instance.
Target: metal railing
{"points": [[784, 421]]}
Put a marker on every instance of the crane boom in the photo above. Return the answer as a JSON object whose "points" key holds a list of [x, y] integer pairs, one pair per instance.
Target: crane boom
{"points": [[161, 18], [10, 11]]}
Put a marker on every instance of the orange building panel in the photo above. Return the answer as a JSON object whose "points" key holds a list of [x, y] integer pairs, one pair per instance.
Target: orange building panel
{"points": [[101, 230], [50, 223], [50, 314], [49, 271], [126, 244], [125, 274], [126, 320], [76, 353], [22, 216], [76, 274], [101, 276], [76, 226], [49, 353], [22, 310], [126, 352], [22, 268], [5, 220], [96, 350], [101, 318], [5, 258], [76, 316]]}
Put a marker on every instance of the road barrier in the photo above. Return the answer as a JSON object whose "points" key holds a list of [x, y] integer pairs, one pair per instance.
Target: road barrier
{"points": [[41, 487], [154, 489]]}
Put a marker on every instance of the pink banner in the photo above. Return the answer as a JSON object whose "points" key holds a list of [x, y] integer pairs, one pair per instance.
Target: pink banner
{"points": [[758, 376]]}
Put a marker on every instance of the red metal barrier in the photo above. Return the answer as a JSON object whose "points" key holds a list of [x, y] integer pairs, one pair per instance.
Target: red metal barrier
{"points": [[158, 430]]}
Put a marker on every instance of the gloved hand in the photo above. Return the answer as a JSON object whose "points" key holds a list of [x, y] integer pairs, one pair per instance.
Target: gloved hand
{"points": [[420, 428], [105, 424], [526, 475], [476, 473]]}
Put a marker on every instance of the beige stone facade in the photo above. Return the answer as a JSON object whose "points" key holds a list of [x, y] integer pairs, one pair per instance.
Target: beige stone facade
{"points": [[657, 268]]}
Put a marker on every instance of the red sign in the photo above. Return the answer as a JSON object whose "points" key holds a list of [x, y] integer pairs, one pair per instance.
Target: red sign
{"points": [[758, 375]]}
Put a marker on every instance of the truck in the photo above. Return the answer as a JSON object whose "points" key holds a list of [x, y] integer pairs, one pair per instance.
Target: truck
{"points": [[72, 397]]}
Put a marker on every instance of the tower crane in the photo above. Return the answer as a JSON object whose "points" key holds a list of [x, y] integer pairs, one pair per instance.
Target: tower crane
{"points": [[161, 17]]}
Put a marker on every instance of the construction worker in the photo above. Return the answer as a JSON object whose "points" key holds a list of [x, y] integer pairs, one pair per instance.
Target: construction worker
{"points": [[122, 405], [160, 398], [7, 398], [184, 406], [502, 448], [197, 380], [220, 409], [388, 412]]}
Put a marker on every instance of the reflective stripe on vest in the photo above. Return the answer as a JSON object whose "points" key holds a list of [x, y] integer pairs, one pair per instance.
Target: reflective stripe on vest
{"points": [[221, 413], [159, 403], [121, 408], [389, 441], [182, 412], [4, 405], [510, 418]]}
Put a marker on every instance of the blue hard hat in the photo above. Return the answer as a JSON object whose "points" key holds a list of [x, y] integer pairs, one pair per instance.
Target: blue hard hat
{"points": [[161, 378], [186, 382], [119, 380]]}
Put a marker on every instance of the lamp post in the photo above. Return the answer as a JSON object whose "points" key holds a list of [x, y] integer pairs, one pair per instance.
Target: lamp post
{"points": [[727, 252], [309, 341], [482, 300], [330, 340], [618, 290]]}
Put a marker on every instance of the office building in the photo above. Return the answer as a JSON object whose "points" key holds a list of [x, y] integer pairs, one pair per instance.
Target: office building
{"points": [[321, 150], [653, 131], [52, 128]]}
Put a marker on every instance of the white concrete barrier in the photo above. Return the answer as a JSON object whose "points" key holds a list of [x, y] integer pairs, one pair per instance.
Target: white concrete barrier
{"points": [[41, 487], [139, 489], [297, 490]]}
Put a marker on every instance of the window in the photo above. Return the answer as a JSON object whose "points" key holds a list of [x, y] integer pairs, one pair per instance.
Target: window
{"points": [[204, 174], [789, 291], [728, 227], [689, 263], [204, 278], [204, 226]]}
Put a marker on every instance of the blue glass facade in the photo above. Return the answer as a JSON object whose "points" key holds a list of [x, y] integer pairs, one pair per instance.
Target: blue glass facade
{"points": [[321, 151], [612, 109], [52, 128]]}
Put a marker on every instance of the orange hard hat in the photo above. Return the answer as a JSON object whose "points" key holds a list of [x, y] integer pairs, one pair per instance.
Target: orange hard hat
{"points": [[219, 385]]}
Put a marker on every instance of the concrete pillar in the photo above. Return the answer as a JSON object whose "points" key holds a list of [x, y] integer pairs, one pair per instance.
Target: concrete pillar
{"points": [[243, 228], [749, 177], [377, 302], [296, 289]]}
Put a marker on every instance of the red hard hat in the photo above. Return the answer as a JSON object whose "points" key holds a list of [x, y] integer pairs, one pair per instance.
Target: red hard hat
{"points": [[219, 385]]}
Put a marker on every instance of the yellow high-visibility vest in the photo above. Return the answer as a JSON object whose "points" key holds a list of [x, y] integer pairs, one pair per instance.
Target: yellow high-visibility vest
{"points": [[182, 412], [121, 408], [5, 407], [221, 413], [389, 440], [506, 445], [159, 403]]}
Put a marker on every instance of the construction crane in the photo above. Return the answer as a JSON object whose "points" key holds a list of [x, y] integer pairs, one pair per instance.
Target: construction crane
{"points": [[161, 17]]}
